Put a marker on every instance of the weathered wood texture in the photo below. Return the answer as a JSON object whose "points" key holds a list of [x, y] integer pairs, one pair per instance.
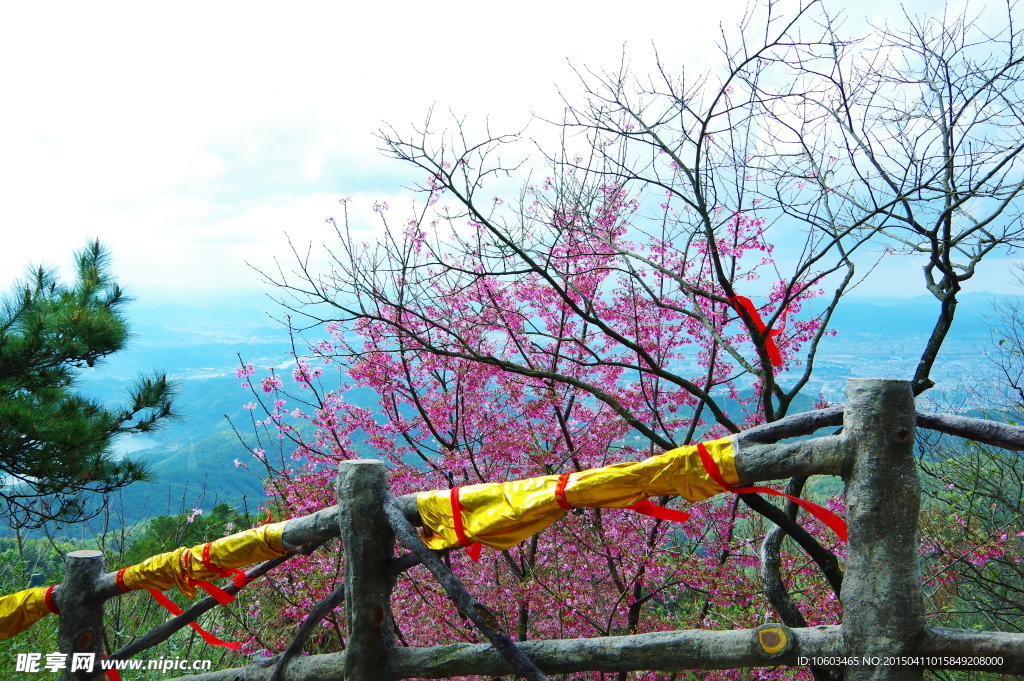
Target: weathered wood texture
{"points": [[368, 544], [820, 456], [159, 634], [941, 642], [792, 426], [987, 432], [883, 603], [80, 627], [665, 651], [883, 607], [483, 618]]}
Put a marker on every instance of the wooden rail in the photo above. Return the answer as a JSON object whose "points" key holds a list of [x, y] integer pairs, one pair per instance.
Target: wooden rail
{"points": [[883, 605]]}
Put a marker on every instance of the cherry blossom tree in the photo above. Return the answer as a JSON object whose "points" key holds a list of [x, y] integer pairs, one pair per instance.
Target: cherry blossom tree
{"points": [[621, 293], [447, 421], [608, 311], [912, 134]]}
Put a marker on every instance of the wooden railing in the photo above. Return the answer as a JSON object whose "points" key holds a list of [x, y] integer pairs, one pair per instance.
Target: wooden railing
{"points": [[883, 605]]}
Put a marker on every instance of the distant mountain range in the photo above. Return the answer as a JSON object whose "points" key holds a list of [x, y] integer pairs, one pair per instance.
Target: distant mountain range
{"points": [[914, 317], [197, 336]]}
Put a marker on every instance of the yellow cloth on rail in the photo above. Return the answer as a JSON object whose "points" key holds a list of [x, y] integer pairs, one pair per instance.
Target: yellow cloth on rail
{"points": [[19, 611], [502, 514], [183, 566]]}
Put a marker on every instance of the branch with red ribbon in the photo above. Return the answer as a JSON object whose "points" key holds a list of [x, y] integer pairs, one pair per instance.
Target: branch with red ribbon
{"points": [[172, 607], [238, 579], [645, 507], [112, 674], [837, 524], [743, 306]]}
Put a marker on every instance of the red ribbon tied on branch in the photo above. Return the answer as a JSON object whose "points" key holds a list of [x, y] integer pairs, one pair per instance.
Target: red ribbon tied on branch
{"points": [[837, 524], [741, 305]]}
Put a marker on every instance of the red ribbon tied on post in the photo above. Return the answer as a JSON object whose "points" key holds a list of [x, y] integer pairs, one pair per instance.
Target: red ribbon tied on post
{"points": [[837, 524], [51, 604], [741, 305]]}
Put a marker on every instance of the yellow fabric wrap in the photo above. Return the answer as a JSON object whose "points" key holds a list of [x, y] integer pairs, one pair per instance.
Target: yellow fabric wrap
{"points": [[169, 569], [21, 610], [502, 514]]}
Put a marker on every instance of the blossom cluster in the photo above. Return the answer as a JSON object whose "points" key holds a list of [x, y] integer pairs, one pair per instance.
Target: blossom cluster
{"points": [[597, 336]]}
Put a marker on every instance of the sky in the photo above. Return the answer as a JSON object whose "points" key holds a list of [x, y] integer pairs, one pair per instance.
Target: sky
{"points": [[191, 138]]}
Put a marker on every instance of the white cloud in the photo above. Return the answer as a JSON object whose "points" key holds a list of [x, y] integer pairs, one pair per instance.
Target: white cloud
{"points": [[190, 137]]}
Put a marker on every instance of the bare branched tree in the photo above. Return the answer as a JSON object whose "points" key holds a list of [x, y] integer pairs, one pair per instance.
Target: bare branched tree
{"points": [[625, 272], [917, 136]]}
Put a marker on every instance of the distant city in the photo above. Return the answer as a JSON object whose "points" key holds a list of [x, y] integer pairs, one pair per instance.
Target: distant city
{"points": [[198, 337]]}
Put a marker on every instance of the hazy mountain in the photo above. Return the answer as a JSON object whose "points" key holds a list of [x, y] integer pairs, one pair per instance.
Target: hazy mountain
{"points": [[197, 336]]}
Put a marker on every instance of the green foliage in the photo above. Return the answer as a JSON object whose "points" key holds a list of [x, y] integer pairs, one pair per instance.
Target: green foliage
{"points": [[166, 533], [36, 561], [55, 442], [973, 518]]}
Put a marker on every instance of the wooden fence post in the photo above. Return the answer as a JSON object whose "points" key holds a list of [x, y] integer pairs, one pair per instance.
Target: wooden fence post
{"points": [[883, 607], [80, 628], [368, 544]]}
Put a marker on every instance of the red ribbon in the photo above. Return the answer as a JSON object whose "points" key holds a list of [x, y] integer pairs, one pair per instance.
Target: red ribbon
{"points": [[175, 610], [563, 480], [472, 548], [837, 524], [120, 579], [645, 506], [221, 596], [51, 605], [112, 673], [741, 305], [239, 580]]}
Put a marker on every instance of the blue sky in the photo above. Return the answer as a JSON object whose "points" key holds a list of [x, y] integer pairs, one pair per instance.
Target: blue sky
{"points": [[190, 137]]}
